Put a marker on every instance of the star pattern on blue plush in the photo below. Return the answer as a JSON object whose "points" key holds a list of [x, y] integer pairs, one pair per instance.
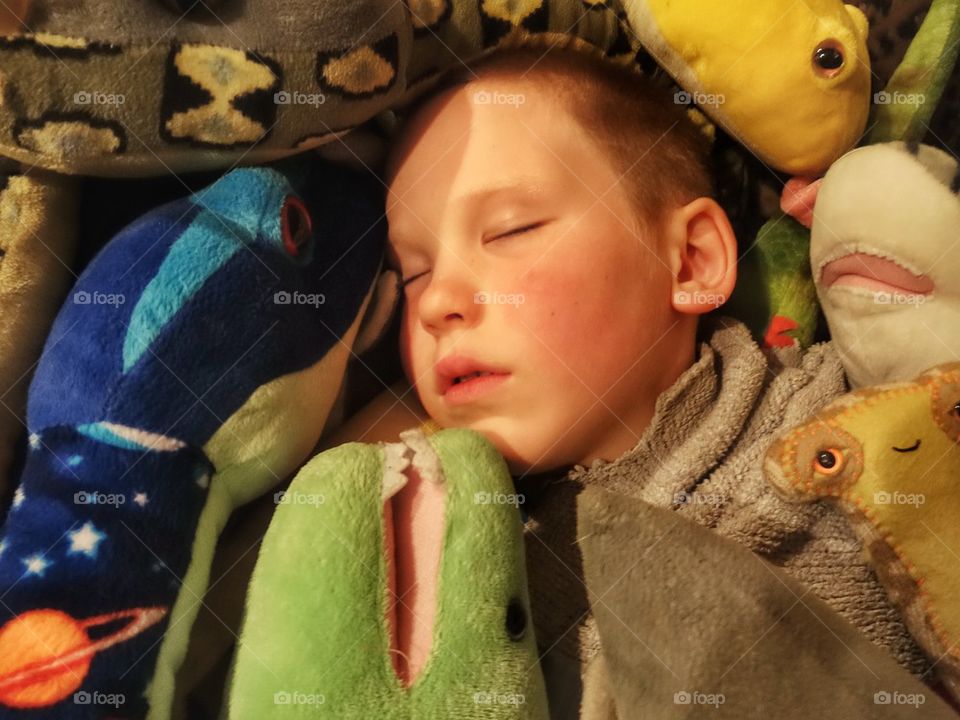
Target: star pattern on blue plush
{"points": [[86, 540], [36, 564]]}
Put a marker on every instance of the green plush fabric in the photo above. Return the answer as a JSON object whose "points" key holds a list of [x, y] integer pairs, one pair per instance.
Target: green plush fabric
{"points": [[316, 641]]}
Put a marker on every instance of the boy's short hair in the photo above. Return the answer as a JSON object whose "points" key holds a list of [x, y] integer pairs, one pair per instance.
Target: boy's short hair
{"points": [[649, 138]]}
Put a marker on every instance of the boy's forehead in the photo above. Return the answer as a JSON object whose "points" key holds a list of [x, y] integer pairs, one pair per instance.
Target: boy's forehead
{"points": [[487, 102]]}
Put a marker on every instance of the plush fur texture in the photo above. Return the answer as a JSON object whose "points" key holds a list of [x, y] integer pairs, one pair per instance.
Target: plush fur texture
{"points": [[695, 625], [890, 455], [896, 204], [316, 635], [36, 252], [191, 369]]}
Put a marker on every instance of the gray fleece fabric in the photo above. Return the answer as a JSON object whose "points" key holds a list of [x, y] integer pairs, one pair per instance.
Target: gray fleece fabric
{"points": [[702, 457]]}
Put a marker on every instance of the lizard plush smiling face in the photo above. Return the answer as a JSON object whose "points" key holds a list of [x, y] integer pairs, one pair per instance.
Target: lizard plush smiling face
{"points": [[885, 260], [890, 455]]}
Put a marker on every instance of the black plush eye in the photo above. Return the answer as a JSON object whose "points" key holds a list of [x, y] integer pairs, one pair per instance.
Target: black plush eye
{"points": [[516, 620], [828, 58], [296, 228], [956, 409]]}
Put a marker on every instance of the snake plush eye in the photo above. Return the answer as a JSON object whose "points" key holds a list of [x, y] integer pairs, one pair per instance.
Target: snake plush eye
{"points": [[296, 228], [516, 620], [828, 462], [828, 58]]}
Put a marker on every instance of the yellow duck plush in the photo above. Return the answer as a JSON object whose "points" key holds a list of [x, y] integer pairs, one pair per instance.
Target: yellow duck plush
{"points": [[790, 80], [890, 455]]}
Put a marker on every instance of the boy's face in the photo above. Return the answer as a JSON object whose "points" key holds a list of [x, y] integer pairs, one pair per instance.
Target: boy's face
{"points": [[527, 260]]}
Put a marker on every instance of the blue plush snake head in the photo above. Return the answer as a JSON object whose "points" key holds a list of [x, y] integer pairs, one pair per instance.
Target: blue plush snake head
{"points": [[223, 320]]}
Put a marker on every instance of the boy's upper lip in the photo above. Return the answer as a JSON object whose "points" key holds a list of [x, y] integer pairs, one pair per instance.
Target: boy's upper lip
{"points": [[453, 366]]}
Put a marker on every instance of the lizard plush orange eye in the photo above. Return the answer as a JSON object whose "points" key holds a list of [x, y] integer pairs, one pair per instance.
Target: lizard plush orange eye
{"points": [[296, 228], [828, 58], [828, 462]]}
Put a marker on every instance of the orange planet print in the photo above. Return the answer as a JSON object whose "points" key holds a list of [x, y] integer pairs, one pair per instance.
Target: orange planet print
{"points": [[45, 654]]}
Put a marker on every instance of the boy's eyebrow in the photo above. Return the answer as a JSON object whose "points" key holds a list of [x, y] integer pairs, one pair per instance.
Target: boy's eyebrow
{"points": [[522, 185]]}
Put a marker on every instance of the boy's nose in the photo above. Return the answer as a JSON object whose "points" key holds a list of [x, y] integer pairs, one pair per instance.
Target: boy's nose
{"points": [[449, 299]]}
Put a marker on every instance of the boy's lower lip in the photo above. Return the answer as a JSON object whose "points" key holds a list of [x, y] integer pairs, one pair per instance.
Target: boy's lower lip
{"points": [[473, 388]]}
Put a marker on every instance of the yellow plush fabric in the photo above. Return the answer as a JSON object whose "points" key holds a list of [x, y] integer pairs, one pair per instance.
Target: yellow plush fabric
{"points": [[890, 455]]}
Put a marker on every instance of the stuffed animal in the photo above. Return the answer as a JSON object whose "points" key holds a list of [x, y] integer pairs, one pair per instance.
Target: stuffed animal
{"points": [[191, 369], [320, 635], [885, 260], [816, 50], [902, 111], [890, 455], [107, 88], [36, 252]]}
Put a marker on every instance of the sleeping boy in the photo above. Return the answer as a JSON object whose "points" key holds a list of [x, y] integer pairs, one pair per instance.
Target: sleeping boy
{"points": [[550, 215]]}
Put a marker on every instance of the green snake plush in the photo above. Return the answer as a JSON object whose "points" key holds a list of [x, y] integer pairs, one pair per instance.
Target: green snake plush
{"points": [[316, 639]]}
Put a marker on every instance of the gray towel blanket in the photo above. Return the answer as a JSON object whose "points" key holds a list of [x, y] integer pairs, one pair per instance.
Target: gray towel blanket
{"points": [[702, 456]]}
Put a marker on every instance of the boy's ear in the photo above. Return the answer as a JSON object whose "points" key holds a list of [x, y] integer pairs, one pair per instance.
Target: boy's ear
{"points": [[702, 252]]}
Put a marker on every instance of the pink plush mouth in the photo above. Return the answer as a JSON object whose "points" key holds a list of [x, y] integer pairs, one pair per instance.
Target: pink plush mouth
{"points": [[414, 520], [873, 273]]}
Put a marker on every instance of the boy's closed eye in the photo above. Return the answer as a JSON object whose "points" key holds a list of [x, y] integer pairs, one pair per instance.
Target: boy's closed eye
{"points": [[514, 231]]}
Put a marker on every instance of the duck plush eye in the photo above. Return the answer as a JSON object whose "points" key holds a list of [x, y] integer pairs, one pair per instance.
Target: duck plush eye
{"points": [[828, 58], [828, 462], [296, 227]]}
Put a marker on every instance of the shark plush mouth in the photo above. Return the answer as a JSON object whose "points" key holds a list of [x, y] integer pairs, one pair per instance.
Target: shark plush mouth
{"points": [[873, 272]]}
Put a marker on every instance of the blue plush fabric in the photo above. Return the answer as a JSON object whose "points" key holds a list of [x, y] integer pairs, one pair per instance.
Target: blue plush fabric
{"points": [[170, 329]]}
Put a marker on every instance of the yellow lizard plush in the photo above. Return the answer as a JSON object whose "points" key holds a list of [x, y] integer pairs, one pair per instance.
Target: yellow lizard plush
{"points": [[890, 455]]}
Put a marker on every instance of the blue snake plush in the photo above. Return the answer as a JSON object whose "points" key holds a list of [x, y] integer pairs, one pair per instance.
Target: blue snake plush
{"points": [[191, 369]]}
